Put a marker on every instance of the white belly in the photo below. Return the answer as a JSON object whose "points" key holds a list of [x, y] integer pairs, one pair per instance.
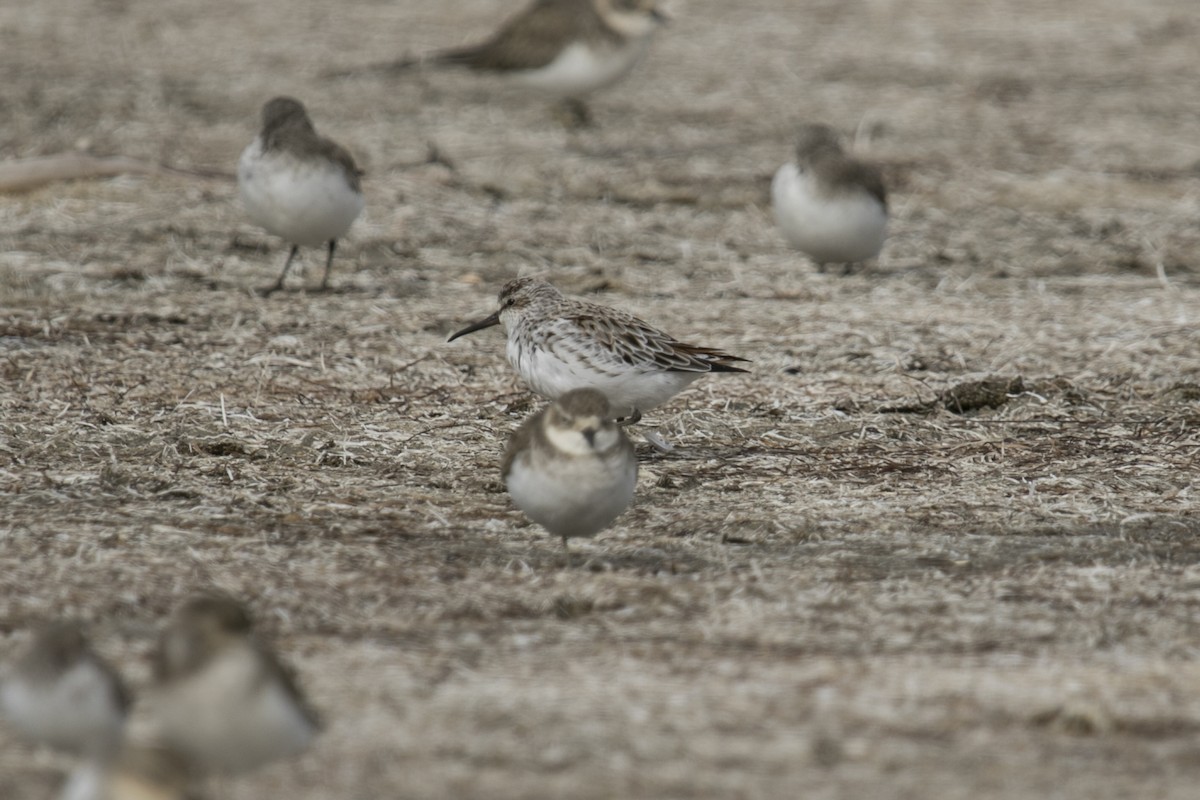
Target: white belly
{"points": [[305, 203], [87, 781], [229, 718], [627, 387], [580, 69], [840, 229], [579, 497]]}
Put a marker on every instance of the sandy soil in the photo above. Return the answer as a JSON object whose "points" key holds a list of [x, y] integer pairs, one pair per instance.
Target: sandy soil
{"points": [[941, 543]]}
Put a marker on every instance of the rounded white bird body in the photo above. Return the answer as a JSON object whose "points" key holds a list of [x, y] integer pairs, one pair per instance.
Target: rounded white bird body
{"points": [[304, 201], [838, 227]]}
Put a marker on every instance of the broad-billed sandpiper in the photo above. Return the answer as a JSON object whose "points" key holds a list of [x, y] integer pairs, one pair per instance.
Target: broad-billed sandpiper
{"points": [[558, 344]]}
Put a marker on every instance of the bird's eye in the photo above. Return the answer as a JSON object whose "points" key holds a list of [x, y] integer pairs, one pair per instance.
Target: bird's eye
{"points": [[510, 302]]}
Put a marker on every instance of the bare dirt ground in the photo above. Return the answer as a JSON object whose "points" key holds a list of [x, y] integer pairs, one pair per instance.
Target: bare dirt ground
{"points": [[858, 575]]}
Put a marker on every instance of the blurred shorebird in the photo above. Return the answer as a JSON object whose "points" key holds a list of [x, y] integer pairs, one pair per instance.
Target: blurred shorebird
{"points": [[565, 49], [297, 184], [60, 693], [139, 772], [829, 205], [223, 701]]}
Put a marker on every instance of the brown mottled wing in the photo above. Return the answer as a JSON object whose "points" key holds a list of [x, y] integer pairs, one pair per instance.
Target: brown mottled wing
{"points": [[844, 171], [627, 340], [341, 156], [530, 40], [274, 668], [303, 141], [120, 690], [179, 653], [519, 441]]}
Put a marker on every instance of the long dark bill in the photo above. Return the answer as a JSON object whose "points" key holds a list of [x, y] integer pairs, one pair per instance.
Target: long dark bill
{"points": [[486, 322]]}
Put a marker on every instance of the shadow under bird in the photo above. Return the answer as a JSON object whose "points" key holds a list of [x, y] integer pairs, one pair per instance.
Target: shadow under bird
{"points": [[829, 205], [297, 184], [60, 693], [222, 699], [565, 49], [570, 467], [558, 344]]}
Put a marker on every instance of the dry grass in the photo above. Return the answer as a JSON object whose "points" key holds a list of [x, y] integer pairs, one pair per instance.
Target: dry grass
{"points": [[941, 543]]}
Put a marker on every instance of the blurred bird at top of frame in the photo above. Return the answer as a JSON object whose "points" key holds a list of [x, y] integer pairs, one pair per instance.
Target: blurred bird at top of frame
{"points": [[223, 700], [565, 49], [570, 467], [60, 693], [297, 184], [829, 205], [558, 344]]}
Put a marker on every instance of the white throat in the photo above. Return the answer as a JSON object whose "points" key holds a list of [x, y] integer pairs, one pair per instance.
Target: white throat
{"points": [[572, 442]]}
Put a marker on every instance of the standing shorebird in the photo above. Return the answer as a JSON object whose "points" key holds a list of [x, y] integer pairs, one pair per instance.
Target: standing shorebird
{"points": [[570, 467], [60, 693], [829, 205], [558, 344], [223, 700], [565, 49], [297, 184]]}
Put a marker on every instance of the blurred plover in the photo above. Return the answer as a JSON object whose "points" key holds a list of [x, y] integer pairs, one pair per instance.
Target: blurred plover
{"points": [[566, 49], [828, 204], [558, 344], [223, 700], [297, 184], [569, 467], [60, 693]]}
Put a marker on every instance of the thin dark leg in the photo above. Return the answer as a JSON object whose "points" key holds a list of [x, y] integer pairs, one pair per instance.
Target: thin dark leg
{"points": [[574, 114], [328, 264], [279, 283], [631, 420]]}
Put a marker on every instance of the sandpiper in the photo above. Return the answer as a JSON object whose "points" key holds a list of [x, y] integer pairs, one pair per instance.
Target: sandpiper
{"points": [[223, 701], [565, 49], [558, 344], [297, 184], [570, 467], [829, 205], [60, 693]]}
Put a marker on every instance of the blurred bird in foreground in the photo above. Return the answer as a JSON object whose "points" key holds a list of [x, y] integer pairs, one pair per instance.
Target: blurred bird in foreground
{"points": [[60, 693], [223, 700]]}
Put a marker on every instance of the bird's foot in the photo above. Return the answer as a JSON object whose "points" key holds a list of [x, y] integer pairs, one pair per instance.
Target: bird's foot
{"points": [[573, 114], [632, 419], [657, 442]]}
